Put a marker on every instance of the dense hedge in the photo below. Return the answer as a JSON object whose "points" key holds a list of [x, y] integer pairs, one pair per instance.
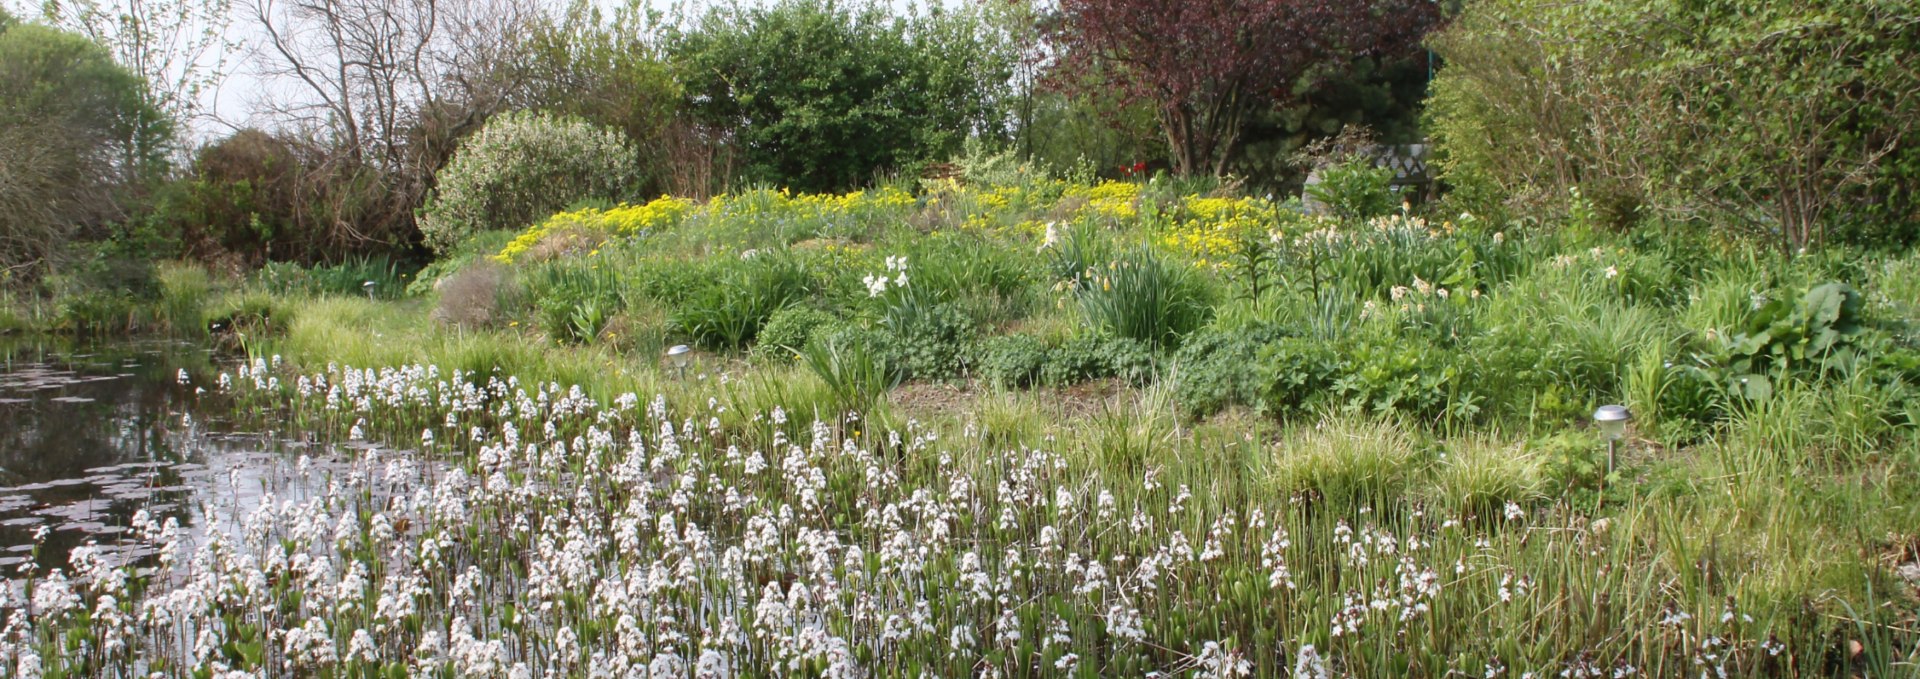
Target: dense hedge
{"points": [[1794, 121]]}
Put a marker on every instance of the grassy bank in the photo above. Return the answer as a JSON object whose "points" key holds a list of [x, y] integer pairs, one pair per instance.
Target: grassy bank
{"points": [[1053, 429]]}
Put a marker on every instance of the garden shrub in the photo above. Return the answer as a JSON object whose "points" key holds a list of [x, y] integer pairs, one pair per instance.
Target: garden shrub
{"points": [[523, 166], [927, 340], [262, 196], [242, 195], [470, 298], [1212, 372], [1012, 361], [823, 96], [1294, 374], [586, 64], [75, 128], [1130, 360], [1074, 361], [1619, 102], [1093, 357], [788, 331], [1355, 190], [1392, 375]]}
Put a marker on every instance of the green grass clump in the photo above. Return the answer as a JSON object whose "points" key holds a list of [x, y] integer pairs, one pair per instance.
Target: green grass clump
{"points": [[185, 289], [1144, 297]]}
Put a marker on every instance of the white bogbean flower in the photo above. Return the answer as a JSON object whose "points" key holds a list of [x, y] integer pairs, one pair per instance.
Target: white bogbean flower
{"points": [[1308, 665]]}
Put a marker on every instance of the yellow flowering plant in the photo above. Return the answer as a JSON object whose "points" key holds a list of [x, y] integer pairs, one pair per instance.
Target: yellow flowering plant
{"points": [[1213, 230], [622, 220], [1118, 201]]}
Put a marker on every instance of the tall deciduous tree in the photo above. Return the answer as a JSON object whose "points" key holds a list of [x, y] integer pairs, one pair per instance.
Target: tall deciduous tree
{"points": [[180, 47], [1206, 65], [70, 121], [385, 89]]}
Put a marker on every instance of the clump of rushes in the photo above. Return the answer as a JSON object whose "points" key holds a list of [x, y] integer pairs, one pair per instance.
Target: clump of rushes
{"points": [[493, 527], [1141, 296], [185, 289]]}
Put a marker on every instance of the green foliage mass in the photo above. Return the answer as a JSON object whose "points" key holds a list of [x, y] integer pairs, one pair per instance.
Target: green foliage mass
{"points": [[1093, 357], [1707, 111], [728, 308], [927, 340], [1211, 368], [1355, 189], [1782, 338], [1012, 361], [74, 132], [583, 64], [521, 167], [788, 331], [821, 95]]}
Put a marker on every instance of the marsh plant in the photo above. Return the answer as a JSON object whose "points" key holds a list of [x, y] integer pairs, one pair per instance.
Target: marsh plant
{"points": [[492, 527], [185, 290]]}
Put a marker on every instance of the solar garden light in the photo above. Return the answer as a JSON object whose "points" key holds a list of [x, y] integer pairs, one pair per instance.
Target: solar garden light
{"points": [[678, 355], [368, 286], [1612, 420]]}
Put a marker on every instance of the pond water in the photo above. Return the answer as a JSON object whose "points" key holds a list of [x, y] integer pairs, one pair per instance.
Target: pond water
{"points": [[90, 436]]}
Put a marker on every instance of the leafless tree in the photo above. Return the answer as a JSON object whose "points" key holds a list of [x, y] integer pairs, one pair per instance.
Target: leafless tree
{"points": [[387, 88], [181, 47]]}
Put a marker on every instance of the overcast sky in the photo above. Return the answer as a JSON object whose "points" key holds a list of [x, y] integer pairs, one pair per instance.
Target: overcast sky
{"points": [[236, 103]]}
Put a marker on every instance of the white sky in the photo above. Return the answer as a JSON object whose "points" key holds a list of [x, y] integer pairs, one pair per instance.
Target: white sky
{"points": [[237, 101]]}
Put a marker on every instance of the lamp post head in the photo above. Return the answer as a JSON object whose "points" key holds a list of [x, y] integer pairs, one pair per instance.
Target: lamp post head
{"points": [[1612, 420], [678, 354]]}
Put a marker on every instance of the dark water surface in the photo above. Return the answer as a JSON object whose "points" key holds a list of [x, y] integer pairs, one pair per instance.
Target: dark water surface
{"points": [[91, 435]]}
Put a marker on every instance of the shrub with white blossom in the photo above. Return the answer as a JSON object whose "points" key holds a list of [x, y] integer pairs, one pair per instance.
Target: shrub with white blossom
{"points": [[522, 167]]}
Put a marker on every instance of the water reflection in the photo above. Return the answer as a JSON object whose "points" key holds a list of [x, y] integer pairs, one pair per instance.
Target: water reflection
{"points": [[89, 437]]}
